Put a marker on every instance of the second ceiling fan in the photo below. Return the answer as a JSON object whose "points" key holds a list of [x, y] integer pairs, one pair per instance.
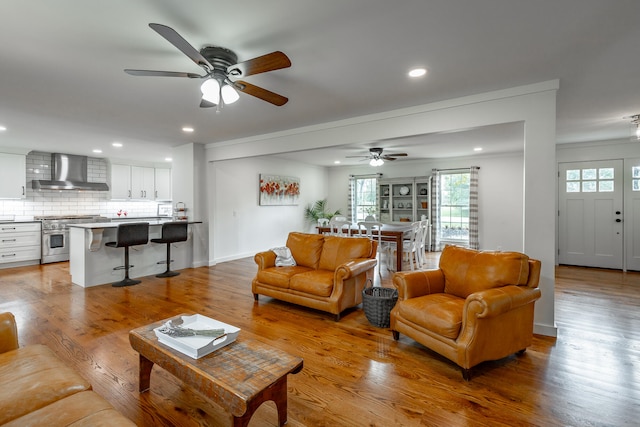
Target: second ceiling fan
{"points": [[376, 158], [220, 66]]}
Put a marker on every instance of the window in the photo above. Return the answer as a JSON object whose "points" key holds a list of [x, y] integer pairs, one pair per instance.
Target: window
{"points": [[454, 207], [364, 198], [591, 180]]}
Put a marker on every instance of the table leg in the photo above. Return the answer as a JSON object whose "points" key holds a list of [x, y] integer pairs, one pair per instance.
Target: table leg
{"points": [[276, 392], [144, 376], [399, 252]]}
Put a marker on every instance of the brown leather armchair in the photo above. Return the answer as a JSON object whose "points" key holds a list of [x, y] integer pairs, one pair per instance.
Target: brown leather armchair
{"points": [[477, 306]]}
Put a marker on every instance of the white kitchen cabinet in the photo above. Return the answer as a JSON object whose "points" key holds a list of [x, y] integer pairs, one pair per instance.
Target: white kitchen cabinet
{"points": [[13, 176], [142, 183], [19, 243], [120, 181], [163, 184]]}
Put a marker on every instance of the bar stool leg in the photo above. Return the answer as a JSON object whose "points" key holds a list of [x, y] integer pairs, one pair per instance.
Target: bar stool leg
{"points": [[126, 281], [168, 272]]}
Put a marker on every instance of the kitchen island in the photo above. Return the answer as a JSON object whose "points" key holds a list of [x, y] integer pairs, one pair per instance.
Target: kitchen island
{"points": [[91, 263]]}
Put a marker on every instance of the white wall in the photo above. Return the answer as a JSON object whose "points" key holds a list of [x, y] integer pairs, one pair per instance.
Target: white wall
{"points": [[501, 199], [239, 226]]}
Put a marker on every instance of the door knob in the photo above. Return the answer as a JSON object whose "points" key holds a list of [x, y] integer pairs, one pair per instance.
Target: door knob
{"points": [[618, 220], [618, 212]]}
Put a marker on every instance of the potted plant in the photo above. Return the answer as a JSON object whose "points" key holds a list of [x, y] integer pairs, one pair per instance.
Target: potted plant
{"points": [[313, 212]]}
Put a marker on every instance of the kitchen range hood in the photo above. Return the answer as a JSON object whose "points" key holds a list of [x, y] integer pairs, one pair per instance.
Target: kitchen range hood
{"points": [[68, 172]]}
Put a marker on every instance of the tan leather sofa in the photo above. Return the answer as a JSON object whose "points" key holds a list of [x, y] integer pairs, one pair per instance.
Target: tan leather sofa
{"points": [[37, 389], [330, 274], [477, 306]]}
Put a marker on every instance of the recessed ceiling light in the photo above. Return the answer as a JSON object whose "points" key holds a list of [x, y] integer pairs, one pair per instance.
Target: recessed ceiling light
{"points": [[97, 150], [337, 162], [168, 159], [117, 144], [477, 149], [187, 129], [417, 72], [2, 128]]}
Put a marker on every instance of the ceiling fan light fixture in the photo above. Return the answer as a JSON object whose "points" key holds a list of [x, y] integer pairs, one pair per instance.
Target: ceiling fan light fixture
{"points": [[210, 89], [229, 94], [376, 162]]}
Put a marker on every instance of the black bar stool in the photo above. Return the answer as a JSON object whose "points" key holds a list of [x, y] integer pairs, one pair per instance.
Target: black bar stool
{"points": [[171, 232], [131, 234]]}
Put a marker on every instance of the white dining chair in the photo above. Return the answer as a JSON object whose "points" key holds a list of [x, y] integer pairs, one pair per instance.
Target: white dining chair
{"points": [[340, 228], [366, 229], [409, 248]]}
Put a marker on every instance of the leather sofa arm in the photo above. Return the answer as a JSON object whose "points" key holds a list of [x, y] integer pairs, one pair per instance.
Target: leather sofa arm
{"points": [[412, 284], [353, 268], [265, 259], [8, 333], [496, 301]]}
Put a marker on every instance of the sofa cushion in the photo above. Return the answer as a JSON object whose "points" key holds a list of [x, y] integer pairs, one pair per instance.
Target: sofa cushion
{"points": [[317, 282], [338, 250], [467, 271], [306, 248], [32, 377], [280, 276], [86, 408], [439, 313]]}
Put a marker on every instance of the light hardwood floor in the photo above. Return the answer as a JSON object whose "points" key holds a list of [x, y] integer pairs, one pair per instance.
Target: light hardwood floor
{"points": [[354, 374]]}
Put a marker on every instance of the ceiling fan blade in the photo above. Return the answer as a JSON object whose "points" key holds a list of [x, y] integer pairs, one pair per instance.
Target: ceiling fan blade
{"points": [[261, 93], [162, 73], [356, 157], [397, 155], [261, 64], [178, 41], [206, 104]]}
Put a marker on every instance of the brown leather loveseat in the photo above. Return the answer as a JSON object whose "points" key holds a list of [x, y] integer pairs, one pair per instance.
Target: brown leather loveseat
{"points": [[37, 389], [330, 274], [477, 306]]}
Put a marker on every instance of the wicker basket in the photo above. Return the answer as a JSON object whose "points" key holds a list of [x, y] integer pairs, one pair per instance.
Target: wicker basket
{"points": [[377, 304]]}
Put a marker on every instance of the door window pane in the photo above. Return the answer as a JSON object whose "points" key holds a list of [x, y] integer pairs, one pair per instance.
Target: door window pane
{"points": [[588, 186], [605, 173], [573, 175], [605, 186], [573, 187], [589, 174]]}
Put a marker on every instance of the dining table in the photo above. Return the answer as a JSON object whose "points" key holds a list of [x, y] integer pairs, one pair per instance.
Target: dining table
{"points": [[391, 232]]}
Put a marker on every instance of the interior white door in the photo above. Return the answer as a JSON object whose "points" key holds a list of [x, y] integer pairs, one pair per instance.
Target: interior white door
{"points": [[590, 202], [632, 213]]}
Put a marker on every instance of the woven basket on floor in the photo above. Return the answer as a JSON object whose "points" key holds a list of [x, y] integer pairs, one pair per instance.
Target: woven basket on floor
{"points": [[377, 304]]}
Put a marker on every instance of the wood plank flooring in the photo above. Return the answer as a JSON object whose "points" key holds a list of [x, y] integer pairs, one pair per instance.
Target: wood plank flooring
{"points": [[354, 374]]}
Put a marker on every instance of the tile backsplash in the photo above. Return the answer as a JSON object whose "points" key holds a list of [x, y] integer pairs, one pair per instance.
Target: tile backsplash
{"points": [[65, 202]]}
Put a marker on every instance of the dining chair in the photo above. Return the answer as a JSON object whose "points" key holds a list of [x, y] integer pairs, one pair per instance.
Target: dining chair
{"points": [[323, 222], [366, 229], [409, 248], [338, 227]]}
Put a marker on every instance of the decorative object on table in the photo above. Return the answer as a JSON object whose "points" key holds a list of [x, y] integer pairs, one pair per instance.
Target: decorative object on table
{"points": [[423, 191], [385, 192], [409, 205], [400, 205], [277, 190], [197, 335], [377, 303], [318, 210], [424, 204], [180, 212], [404, 190], [385, 204]]}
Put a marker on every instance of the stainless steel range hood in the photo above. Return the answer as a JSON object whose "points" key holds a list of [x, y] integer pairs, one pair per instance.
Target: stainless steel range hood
{"points": [[68, 172]]}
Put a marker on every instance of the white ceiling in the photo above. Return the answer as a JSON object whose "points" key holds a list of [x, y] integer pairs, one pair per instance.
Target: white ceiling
{"points": [[62, 85]]}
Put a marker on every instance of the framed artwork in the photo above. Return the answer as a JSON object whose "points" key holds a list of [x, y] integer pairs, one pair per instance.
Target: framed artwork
{"points": [[278, 190]]}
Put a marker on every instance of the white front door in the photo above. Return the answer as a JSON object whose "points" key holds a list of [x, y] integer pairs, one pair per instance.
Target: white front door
{"points": [[590, 214]]}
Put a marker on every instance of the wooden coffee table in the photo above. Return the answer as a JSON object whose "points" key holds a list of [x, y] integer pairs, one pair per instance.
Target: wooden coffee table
{"points": [[239, 377]]}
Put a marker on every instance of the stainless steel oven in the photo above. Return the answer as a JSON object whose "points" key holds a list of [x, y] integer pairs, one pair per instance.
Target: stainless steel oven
{"points": [[55, 235]]}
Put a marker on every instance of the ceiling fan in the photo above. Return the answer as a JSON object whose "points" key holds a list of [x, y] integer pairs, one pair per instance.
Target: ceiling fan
{"points": [[220, 65], [376, 158]]}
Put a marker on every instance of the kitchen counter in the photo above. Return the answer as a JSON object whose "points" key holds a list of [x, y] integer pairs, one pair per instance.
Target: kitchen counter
{"points": [[91, 263]]}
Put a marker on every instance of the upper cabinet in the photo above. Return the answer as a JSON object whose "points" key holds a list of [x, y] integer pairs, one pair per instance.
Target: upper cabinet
{"points": [[140, 183], [13, 176], [163, 184], [403, 199]]}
